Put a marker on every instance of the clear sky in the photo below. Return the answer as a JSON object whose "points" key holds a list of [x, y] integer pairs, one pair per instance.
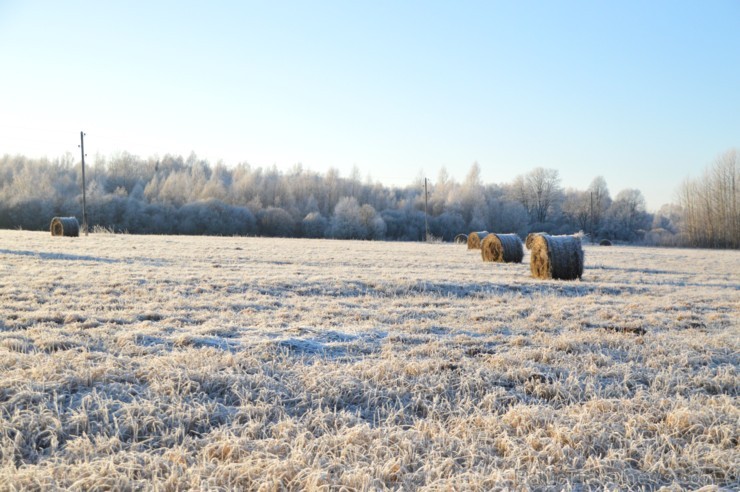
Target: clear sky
{"points": [[644, 93]]}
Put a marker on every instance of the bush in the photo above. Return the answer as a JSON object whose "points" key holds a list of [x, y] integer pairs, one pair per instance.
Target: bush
{"points": [[314, 225], [276, 222]]}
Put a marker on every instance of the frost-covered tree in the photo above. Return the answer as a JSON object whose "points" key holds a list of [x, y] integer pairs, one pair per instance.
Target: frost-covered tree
{"points": [[276, 222], [576, 209], [669, 217], [504, 215], [441, 193], [405, 223], [666, 227], [347, 221], [179, 195], [599, 202], [124, 170], [627, 219], [711, 204], [372, 222], [314, 225], [175, 190], [472, 199], [218, 184], [447, 225], [539, 191]]}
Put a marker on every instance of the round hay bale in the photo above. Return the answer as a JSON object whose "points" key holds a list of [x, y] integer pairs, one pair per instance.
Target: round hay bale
{"points": [[556, 257], [65, 226], [502, 248], [605, 242], [530, 236], [475, 238], [461, 239]]}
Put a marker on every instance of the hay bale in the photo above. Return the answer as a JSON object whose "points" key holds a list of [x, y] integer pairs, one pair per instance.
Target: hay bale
{"points": [[475, 238], [502, 248], [461, 239], [65, 226], [530, 236], [605, 242], [556, 257]]}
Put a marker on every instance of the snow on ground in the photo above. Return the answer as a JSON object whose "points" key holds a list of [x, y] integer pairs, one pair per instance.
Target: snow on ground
{"points": [[220, 363]]}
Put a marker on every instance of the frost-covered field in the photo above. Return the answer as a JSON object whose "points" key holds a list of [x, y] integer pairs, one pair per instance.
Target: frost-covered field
{"points": [[228, 363]]}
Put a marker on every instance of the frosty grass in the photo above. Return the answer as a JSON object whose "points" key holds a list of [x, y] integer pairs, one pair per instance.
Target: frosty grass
{"points": [[165, 362]]}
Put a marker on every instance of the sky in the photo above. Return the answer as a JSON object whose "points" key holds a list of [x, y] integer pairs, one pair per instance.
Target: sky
{"points": [[644, 94]]}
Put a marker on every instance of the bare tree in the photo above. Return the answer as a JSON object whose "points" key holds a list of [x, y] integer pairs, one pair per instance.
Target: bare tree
{"points": [[577, 208], [599, 201], [711, 204], [440, 192], [539, 191], [627, 218]]}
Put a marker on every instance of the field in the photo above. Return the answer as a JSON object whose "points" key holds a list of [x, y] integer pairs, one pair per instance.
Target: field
{"points": [[172, 363]]}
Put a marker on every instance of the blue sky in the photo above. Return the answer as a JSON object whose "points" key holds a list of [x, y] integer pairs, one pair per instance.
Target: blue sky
{"points": [[642, 93]]}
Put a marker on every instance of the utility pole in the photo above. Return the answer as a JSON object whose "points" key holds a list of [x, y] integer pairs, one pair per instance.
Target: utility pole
{"points": [[426, 222], [84, 199]]}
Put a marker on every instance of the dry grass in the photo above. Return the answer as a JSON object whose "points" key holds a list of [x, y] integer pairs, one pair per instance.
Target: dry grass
{"points": [[230, 363]]}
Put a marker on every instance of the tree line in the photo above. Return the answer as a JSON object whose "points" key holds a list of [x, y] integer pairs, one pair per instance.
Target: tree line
{"points": [[710, 204], [177, 195]]}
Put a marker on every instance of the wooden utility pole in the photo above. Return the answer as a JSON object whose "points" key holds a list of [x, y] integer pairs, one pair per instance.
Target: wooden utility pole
{"points": [[84, 198], [426, 222]]}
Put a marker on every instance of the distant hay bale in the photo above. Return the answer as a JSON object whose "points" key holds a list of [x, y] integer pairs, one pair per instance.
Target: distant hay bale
{"points": [[530, 236], [475, 238], [461, 239], [556, 257], [65, 226], [605, 242], [502, 248]]}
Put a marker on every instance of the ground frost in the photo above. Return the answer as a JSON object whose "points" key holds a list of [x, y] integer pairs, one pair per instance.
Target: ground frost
{"points": [[267, 364]]}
